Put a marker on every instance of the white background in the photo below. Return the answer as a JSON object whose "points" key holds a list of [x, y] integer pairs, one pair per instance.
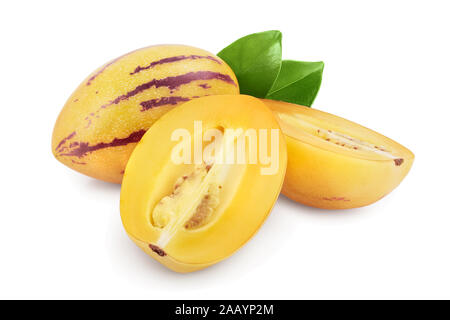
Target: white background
{"points": [[386, 67]]}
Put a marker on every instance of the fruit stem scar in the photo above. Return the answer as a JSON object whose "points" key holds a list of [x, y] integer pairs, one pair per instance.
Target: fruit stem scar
{"points": [[160, 252]]}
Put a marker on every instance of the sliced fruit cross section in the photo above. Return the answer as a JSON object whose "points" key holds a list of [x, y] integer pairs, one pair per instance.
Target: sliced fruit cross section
{"points": [[191, 215], [335, 163]]}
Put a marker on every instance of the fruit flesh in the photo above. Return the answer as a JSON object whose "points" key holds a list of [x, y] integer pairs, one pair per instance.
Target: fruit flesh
{"points": [[335, 163], [190, 216], [110, 111], [194, 201]]}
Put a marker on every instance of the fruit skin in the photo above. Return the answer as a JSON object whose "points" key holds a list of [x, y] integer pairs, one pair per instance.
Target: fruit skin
{"points": [[113, 107], [251, 195], [326, 177]]}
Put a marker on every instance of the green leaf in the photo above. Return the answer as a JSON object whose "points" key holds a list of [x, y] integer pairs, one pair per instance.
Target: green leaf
{"points": [[298, 82], [255, 60]]}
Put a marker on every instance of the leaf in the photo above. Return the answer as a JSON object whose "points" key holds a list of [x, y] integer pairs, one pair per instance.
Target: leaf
{"points": [[298, 82], [255, 60]]}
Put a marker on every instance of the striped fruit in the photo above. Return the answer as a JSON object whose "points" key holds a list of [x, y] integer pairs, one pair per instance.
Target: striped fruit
{"points": [[111, 110]]}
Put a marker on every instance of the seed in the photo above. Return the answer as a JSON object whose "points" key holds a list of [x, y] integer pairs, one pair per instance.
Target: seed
{"points": [[160, 252], [201, 213]]}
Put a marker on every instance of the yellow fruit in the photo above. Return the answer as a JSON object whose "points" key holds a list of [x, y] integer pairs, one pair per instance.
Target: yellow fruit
{"points": [[193, 214], [111, 110], [334, 163]]}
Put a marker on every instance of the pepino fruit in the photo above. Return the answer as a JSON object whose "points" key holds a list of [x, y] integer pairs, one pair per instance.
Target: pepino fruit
{"points": [[335, 163], [196, 198], [113, 107]]}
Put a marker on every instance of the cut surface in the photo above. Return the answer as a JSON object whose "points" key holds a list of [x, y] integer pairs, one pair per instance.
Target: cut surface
{"points": [[192, 203], [336, 134], [192, 215], [196, 196], [335, 163]]}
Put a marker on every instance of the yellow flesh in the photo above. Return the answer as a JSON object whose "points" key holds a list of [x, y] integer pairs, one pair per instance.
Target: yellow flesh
{"points": [[190, 216], [337, 138], [195, 196], [335, 163]]}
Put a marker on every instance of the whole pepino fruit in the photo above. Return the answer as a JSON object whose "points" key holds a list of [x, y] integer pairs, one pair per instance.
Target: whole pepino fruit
{"points": [[113, 107]]}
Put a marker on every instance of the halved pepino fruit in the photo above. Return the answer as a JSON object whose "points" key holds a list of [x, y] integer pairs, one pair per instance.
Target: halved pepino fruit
{"points": [[335, 163], [202, 180], [113, 107]]}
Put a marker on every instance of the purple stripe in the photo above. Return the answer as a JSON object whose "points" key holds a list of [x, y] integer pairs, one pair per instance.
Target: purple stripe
{"points": [[76, 162], [173, 59], [204, 85], [84, 147], [162, 102], [173, 83], [88, 83], [70, 136]]}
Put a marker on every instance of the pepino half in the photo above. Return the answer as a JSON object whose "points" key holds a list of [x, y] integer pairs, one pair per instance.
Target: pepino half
{"points": [[184, 201]]}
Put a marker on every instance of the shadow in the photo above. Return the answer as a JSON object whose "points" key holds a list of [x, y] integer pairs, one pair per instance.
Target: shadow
{"points": [[99, 184], [142, 270]]}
